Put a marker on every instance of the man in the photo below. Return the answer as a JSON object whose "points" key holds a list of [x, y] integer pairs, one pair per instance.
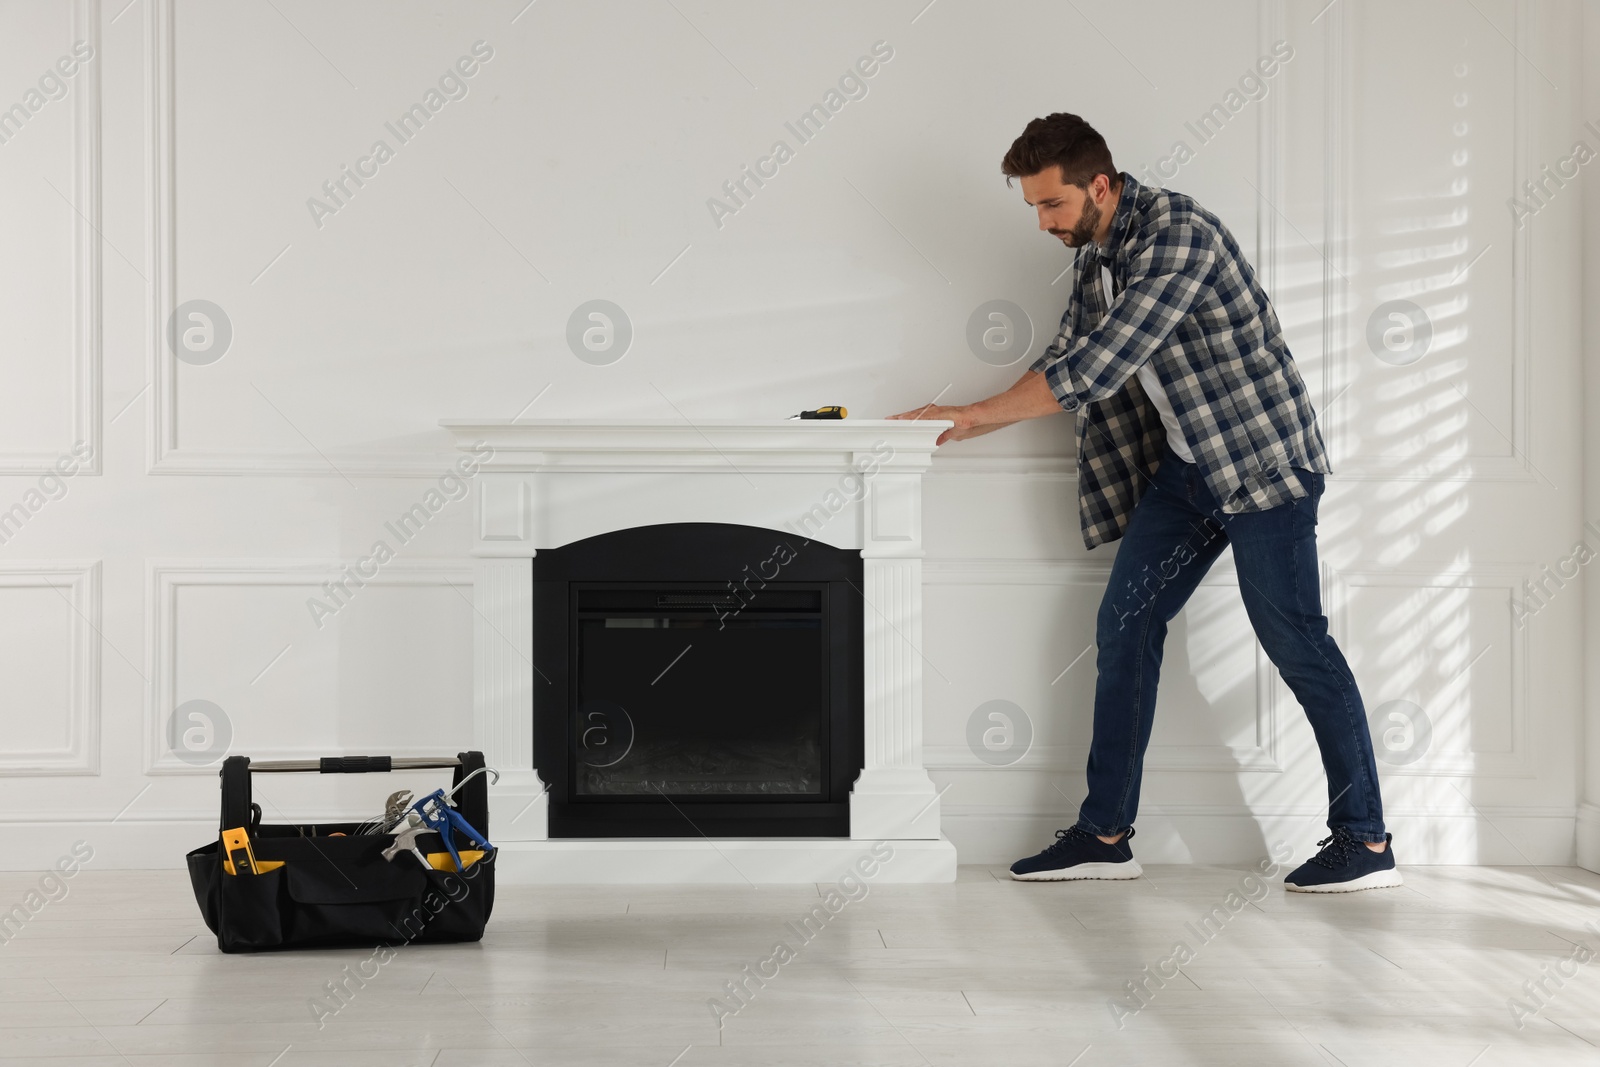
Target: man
{"points": [[1194, 431]]}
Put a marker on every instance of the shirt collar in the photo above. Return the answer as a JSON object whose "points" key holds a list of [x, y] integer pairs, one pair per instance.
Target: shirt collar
{"points": [[1119, 219]]}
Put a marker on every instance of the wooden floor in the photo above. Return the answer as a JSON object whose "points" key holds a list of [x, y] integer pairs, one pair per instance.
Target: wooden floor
{"points": [[983, 972]]}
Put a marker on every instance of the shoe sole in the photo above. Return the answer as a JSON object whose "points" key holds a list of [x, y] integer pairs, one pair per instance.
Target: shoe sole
{"points": [[1376, 880], [1114, 872]]}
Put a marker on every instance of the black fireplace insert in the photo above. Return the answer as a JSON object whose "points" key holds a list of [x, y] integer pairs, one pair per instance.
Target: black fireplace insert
{"points": [[703, 679]]}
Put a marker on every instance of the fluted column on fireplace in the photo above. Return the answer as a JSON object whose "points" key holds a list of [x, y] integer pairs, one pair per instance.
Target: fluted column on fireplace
{"points": [[894, 797]]}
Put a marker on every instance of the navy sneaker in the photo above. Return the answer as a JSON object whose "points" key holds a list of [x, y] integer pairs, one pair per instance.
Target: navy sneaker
{"points": [[1345, 865], [1079, 854]]}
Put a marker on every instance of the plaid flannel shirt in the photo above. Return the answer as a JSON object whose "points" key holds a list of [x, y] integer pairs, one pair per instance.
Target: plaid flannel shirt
{"points": [[1186, 300]]}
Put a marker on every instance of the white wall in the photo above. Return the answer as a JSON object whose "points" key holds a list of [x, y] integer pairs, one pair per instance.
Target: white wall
{"points": [[1589, 807], [1376, 165]]}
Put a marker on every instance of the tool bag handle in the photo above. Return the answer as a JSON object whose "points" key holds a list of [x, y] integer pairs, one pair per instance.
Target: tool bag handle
{"points": [[472, 801]]}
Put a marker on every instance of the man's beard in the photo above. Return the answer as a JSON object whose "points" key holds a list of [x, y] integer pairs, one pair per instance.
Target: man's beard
{"points": [[1088, 222]]}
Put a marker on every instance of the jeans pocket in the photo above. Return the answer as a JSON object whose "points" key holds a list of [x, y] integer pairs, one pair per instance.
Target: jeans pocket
{"points": [[1314, 483]]}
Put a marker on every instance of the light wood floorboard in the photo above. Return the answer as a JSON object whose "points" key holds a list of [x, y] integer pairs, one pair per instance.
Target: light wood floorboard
{"points": [[984, 971]]}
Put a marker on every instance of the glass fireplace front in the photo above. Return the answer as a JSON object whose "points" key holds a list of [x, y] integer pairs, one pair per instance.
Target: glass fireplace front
{"points": [[698, 680], [687, 694]]}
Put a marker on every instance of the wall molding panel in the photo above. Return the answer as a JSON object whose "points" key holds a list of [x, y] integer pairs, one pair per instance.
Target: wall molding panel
{"points": [[164, 577], [163, 453], [1069, 759], [1345, 582], [78, 582], [87, 336], [1341, 345]]}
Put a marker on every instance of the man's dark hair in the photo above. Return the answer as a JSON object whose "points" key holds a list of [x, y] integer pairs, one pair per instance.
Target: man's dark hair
{"points": [[1062, 140]]}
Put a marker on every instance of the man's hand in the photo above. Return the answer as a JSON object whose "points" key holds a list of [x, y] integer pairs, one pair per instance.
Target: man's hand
{"points": [[966, 424], [1029, 398]]}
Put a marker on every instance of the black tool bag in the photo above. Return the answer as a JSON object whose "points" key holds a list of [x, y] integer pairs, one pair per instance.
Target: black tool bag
{"points": [[303, 886]]}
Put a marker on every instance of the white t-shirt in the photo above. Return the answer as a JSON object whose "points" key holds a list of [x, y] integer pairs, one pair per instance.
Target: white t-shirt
{"points": [[1152, 389]]}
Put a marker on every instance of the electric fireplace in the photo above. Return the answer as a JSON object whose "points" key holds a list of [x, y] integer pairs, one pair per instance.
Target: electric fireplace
{"points": [[697, 648]]}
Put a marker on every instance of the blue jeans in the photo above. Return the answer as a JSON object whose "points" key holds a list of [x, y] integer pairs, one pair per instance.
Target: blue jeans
{"points": [[1176, 532]]}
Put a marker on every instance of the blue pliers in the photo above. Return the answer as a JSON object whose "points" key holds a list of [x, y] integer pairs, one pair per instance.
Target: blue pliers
{"points": [[439, 816]]}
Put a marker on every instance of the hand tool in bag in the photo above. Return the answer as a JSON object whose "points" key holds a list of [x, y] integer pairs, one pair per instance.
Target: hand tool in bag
{"points": [[394, 813], [237, 855], [450, 794], [439, 816], [394, 809], [407, 839]]}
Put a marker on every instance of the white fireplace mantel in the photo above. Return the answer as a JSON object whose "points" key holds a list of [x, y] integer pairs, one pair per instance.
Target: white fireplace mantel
{"points": [[852, 483]]}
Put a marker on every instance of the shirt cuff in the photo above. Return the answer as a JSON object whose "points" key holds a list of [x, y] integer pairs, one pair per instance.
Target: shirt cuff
{"points": [[1059, 376]]}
